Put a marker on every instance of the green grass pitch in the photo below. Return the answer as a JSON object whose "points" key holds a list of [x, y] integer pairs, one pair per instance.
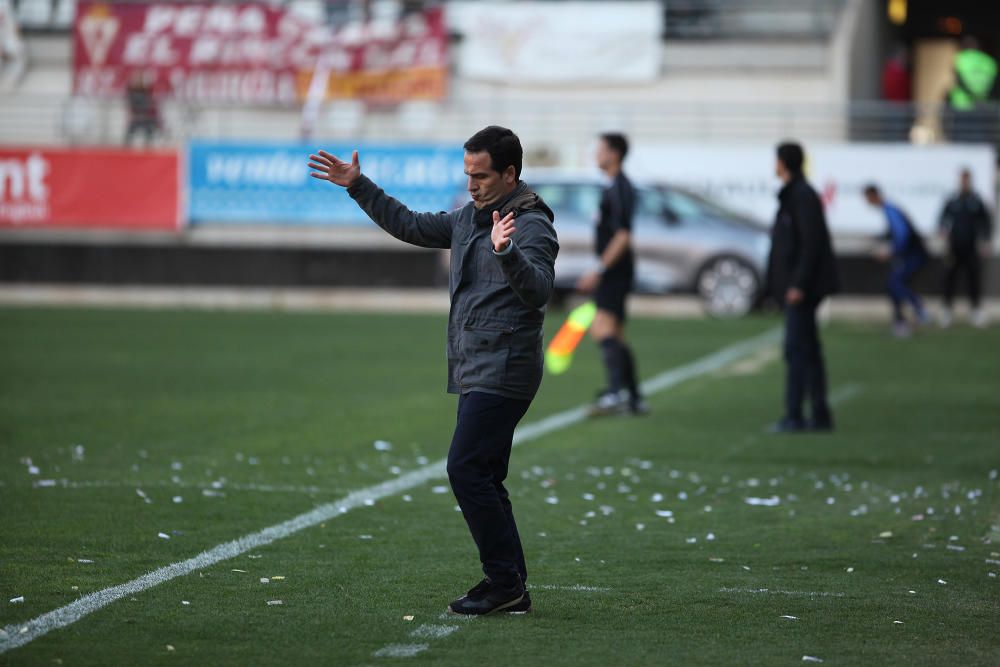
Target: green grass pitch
{"points": [[878, 544]]}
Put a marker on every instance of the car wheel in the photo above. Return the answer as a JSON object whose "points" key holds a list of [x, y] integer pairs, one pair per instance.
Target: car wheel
{"points": [[728, 287]]}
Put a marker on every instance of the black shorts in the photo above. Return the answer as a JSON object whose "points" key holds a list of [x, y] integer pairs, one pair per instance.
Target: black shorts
{"points": [[612, 292]]}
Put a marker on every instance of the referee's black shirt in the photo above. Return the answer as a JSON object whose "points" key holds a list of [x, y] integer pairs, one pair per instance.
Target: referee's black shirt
{"points": [[618, 202]]}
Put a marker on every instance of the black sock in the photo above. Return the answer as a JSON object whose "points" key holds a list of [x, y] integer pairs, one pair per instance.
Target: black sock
{"points": [[630, 375], [611, 350]]}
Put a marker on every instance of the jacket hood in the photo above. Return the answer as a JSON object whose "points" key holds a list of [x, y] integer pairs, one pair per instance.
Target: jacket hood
{"points": [[525, 199]]}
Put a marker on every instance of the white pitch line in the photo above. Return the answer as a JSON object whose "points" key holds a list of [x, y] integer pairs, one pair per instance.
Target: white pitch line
{"points": [[772, 591], [19, 634], [429, 631], [574, 587], [400, 650]]}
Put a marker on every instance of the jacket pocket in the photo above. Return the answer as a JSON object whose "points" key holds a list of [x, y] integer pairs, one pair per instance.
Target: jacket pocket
{"points": [[483, 356]]}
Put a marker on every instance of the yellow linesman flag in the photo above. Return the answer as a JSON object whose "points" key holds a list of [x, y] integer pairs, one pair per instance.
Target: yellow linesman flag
{"points": [[559, 354]]}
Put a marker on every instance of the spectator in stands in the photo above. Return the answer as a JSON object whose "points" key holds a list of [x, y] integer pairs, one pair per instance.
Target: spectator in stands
{"points": [[969, 116], [907, 255], [143, 110], [613, 282], [897, 92], [967, 226], [801, 273], [13, 61]]}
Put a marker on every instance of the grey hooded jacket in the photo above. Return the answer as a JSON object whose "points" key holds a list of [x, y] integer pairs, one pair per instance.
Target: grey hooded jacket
{"points": [[497, 300]]}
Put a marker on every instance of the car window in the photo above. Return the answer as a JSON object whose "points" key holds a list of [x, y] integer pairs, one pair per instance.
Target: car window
{"points": [[576, 201], [556, 195], [651, 203], [685, 208]]}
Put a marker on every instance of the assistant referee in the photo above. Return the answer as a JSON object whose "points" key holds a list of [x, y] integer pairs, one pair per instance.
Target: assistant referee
{"points": [[612, 283]]}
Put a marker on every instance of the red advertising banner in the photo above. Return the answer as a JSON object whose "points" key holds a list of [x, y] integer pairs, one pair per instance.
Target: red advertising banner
{"points": [[100, 189], [254, 53]]}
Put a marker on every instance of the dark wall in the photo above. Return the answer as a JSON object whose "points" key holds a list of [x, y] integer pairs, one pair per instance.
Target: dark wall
{"points": [[194, 265], [186, 265]]}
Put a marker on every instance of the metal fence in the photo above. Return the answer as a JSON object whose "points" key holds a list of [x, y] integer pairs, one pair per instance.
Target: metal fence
{"points": [[56, 120]]}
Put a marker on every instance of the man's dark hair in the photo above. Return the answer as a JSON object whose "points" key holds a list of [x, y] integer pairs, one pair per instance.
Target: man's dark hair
{"points": [[617, 142], [792, 156], [503, 146], [871, 190]]}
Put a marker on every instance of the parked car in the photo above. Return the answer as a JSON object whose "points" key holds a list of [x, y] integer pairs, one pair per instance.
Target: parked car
{"points": [[683, 242]]}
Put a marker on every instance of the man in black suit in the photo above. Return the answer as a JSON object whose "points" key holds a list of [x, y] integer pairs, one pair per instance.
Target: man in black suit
{"points": [[801, 273]]}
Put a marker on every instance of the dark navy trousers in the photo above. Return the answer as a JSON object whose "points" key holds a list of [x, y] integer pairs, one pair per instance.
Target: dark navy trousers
{"points": [[806, 370], [477, 467]]}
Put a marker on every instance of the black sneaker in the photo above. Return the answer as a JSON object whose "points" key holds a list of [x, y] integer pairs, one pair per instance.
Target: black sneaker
{"points": [[487, 598], [787, 425], [820, 425], [522, 607], [637, 407]]}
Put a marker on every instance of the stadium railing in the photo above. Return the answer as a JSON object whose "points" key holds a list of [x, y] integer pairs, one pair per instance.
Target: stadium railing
{"points": [[59, 120]]}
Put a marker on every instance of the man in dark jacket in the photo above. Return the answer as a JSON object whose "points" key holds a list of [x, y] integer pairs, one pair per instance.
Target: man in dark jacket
{"points": [[801, 273], [967, 225], [503, 251], [906, 255]]}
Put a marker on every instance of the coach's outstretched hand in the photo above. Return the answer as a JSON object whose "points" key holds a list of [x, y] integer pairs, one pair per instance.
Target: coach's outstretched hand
{"points": [[329, 168]]}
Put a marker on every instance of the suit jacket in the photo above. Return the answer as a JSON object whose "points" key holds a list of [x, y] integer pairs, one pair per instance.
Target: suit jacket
{"points": [[801, 251]]}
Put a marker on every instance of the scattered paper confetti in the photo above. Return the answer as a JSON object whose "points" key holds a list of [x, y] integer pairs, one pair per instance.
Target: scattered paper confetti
{"points": [[274, 603], [19, 599], [791, 618], [163, 536], [850, 569], [364, 537], [237, 570], [278, 578], [664, 513], [407, 498], [84, 560], [383, 446], [772, 501], [942, 581], [811, 658], [552, 500], [185, 603], [640, 526], [408, 617], [897, 622], [265, 580], [177, 500], [439, 489], [170, 647], [885, 534], [44, 483]]}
